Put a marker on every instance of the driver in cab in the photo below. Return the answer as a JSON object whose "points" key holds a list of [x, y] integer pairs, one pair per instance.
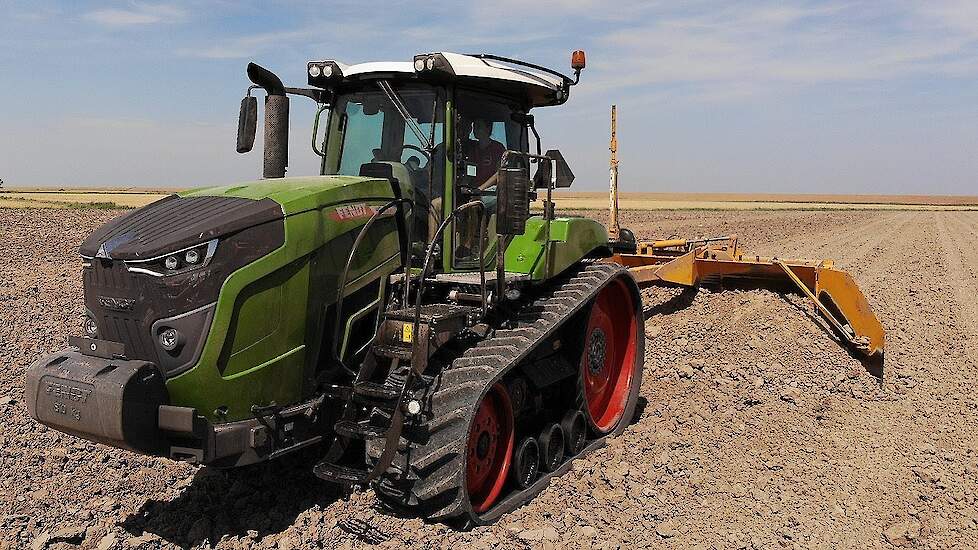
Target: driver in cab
{"points": [[484, 153]]}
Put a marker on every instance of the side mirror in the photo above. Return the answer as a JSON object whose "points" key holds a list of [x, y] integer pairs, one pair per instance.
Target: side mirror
{"points": [[512, 201], [543, 177], [247, 124]]}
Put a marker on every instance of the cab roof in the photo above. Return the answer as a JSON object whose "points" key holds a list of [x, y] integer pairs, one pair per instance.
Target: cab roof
{"points": [[509, 77]]}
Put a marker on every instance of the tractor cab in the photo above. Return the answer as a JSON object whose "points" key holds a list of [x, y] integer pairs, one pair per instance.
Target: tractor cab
{"points": [[439, 127]]}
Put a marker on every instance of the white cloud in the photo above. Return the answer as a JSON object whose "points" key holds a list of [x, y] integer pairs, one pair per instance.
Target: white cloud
{"points": [[138, 14]]}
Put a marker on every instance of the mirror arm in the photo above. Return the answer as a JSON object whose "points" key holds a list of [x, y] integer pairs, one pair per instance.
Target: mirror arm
{"points": [[533, 128], [319, 96]]}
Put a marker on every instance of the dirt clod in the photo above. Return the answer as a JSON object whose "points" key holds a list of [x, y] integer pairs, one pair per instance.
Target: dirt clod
{"points": [[667, 529], [902, 533]]}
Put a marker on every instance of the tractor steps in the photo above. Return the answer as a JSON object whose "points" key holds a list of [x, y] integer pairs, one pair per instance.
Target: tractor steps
{"points": [[377, 391]]}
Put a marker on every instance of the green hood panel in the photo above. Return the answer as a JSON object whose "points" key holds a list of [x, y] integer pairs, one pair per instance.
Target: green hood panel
{"points": [[301, 194], [268, 329]]}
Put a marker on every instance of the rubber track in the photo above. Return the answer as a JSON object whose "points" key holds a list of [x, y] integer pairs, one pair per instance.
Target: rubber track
{"points": [[433, 486]]}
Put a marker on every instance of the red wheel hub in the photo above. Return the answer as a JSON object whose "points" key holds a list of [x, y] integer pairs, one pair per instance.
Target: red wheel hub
{"points": [[489, 449], [607, 364]]}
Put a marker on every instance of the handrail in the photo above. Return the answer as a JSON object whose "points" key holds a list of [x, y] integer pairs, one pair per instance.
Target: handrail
{"points": [[315, 130], [349, 261], [430, 252]]}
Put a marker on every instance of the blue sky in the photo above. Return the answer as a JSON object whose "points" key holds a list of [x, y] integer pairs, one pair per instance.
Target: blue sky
{"points": [[833, 97]]}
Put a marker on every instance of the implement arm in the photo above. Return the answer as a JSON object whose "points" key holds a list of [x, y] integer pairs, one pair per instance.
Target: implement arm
{"points": [[835, 295]]}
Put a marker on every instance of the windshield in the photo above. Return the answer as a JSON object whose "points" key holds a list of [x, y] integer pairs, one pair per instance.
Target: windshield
{"points": [[371, 129]]}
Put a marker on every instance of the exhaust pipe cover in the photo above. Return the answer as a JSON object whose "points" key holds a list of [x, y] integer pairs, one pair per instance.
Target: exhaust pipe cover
{"points": [[276, 158]]}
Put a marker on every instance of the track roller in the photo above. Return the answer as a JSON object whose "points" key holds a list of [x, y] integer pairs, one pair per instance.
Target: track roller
{"points": [[526, 463], [551, 442], [574, 425]]}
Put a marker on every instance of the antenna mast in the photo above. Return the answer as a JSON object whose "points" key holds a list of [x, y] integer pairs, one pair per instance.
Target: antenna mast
{"points": [[614, 228]]}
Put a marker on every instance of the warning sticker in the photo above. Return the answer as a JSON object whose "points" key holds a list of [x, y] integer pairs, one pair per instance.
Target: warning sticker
{"points": [[407, 333]]}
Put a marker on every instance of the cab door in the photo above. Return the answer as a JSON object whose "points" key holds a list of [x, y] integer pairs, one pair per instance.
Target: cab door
{"points": [[484, 128]]}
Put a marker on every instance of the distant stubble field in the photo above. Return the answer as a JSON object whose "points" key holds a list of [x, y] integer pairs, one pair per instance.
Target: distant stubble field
{"points": [[576, 200]]}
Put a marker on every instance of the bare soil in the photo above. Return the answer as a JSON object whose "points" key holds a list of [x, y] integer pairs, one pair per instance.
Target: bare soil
{"points": [[757, 429], [601, 198]]}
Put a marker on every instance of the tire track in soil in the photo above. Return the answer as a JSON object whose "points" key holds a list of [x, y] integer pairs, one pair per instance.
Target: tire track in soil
{"points": [[914, 426], [960, 237]]}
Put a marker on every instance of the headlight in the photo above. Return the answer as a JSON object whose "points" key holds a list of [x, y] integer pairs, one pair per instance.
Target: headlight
{"points": [[192, 256], [178, 261], [315, 71]]}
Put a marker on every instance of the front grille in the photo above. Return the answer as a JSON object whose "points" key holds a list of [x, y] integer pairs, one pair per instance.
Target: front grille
{"points": [[118, 303], [130, 333]]}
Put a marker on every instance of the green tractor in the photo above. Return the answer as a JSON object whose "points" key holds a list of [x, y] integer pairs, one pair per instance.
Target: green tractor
{"points": [[404, 312]]}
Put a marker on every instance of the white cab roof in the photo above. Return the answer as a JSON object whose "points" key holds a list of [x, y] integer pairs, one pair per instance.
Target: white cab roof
{"points": [[541, 88]]}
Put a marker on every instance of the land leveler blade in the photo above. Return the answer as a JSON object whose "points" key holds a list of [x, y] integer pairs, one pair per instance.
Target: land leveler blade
{"points": [[833, 292]]}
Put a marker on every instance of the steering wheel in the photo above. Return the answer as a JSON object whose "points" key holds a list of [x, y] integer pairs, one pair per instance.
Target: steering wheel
{"points": [[418, 149]]}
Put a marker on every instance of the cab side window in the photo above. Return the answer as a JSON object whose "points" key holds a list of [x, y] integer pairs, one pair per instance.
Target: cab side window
{"points": [[484, 130]]}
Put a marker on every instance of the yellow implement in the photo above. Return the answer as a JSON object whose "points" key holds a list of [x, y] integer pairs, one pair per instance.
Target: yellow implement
{"points": [[691, 263], [833, 292]]}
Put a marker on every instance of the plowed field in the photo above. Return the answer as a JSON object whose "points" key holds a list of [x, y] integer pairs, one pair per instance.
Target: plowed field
{"points": [[757, 429]]}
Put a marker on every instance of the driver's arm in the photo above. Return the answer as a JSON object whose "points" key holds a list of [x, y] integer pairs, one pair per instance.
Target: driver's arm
{"points": [[490, 181]]}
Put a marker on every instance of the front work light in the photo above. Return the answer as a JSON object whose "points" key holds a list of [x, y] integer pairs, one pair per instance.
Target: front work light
{"points": [[432, 64], [324, 73]]}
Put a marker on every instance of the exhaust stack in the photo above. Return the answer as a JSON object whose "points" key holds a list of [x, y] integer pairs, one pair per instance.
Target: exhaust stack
{"points": [[276, 158]]}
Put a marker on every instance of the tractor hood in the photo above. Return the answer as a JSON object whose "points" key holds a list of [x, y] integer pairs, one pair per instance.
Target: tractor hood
{"points": [[176, 222], [192, 217]]}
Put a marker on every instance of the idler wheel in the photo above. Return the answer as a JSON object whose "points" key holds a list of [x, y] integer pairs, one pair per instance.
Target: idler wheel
{"points": [[608, 363], [489, 448]]}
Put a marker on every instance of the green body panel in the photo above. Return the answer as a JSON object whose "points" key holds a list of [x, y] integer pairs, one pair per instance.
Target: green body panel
{"points": [[540, 257], [302, 193], [270, 319]]}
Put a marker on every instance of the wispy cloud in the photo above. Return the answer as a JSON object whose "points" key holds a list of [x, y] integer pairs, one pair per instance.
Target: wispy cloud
{"points": [[136, 15], [772, 47]]}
